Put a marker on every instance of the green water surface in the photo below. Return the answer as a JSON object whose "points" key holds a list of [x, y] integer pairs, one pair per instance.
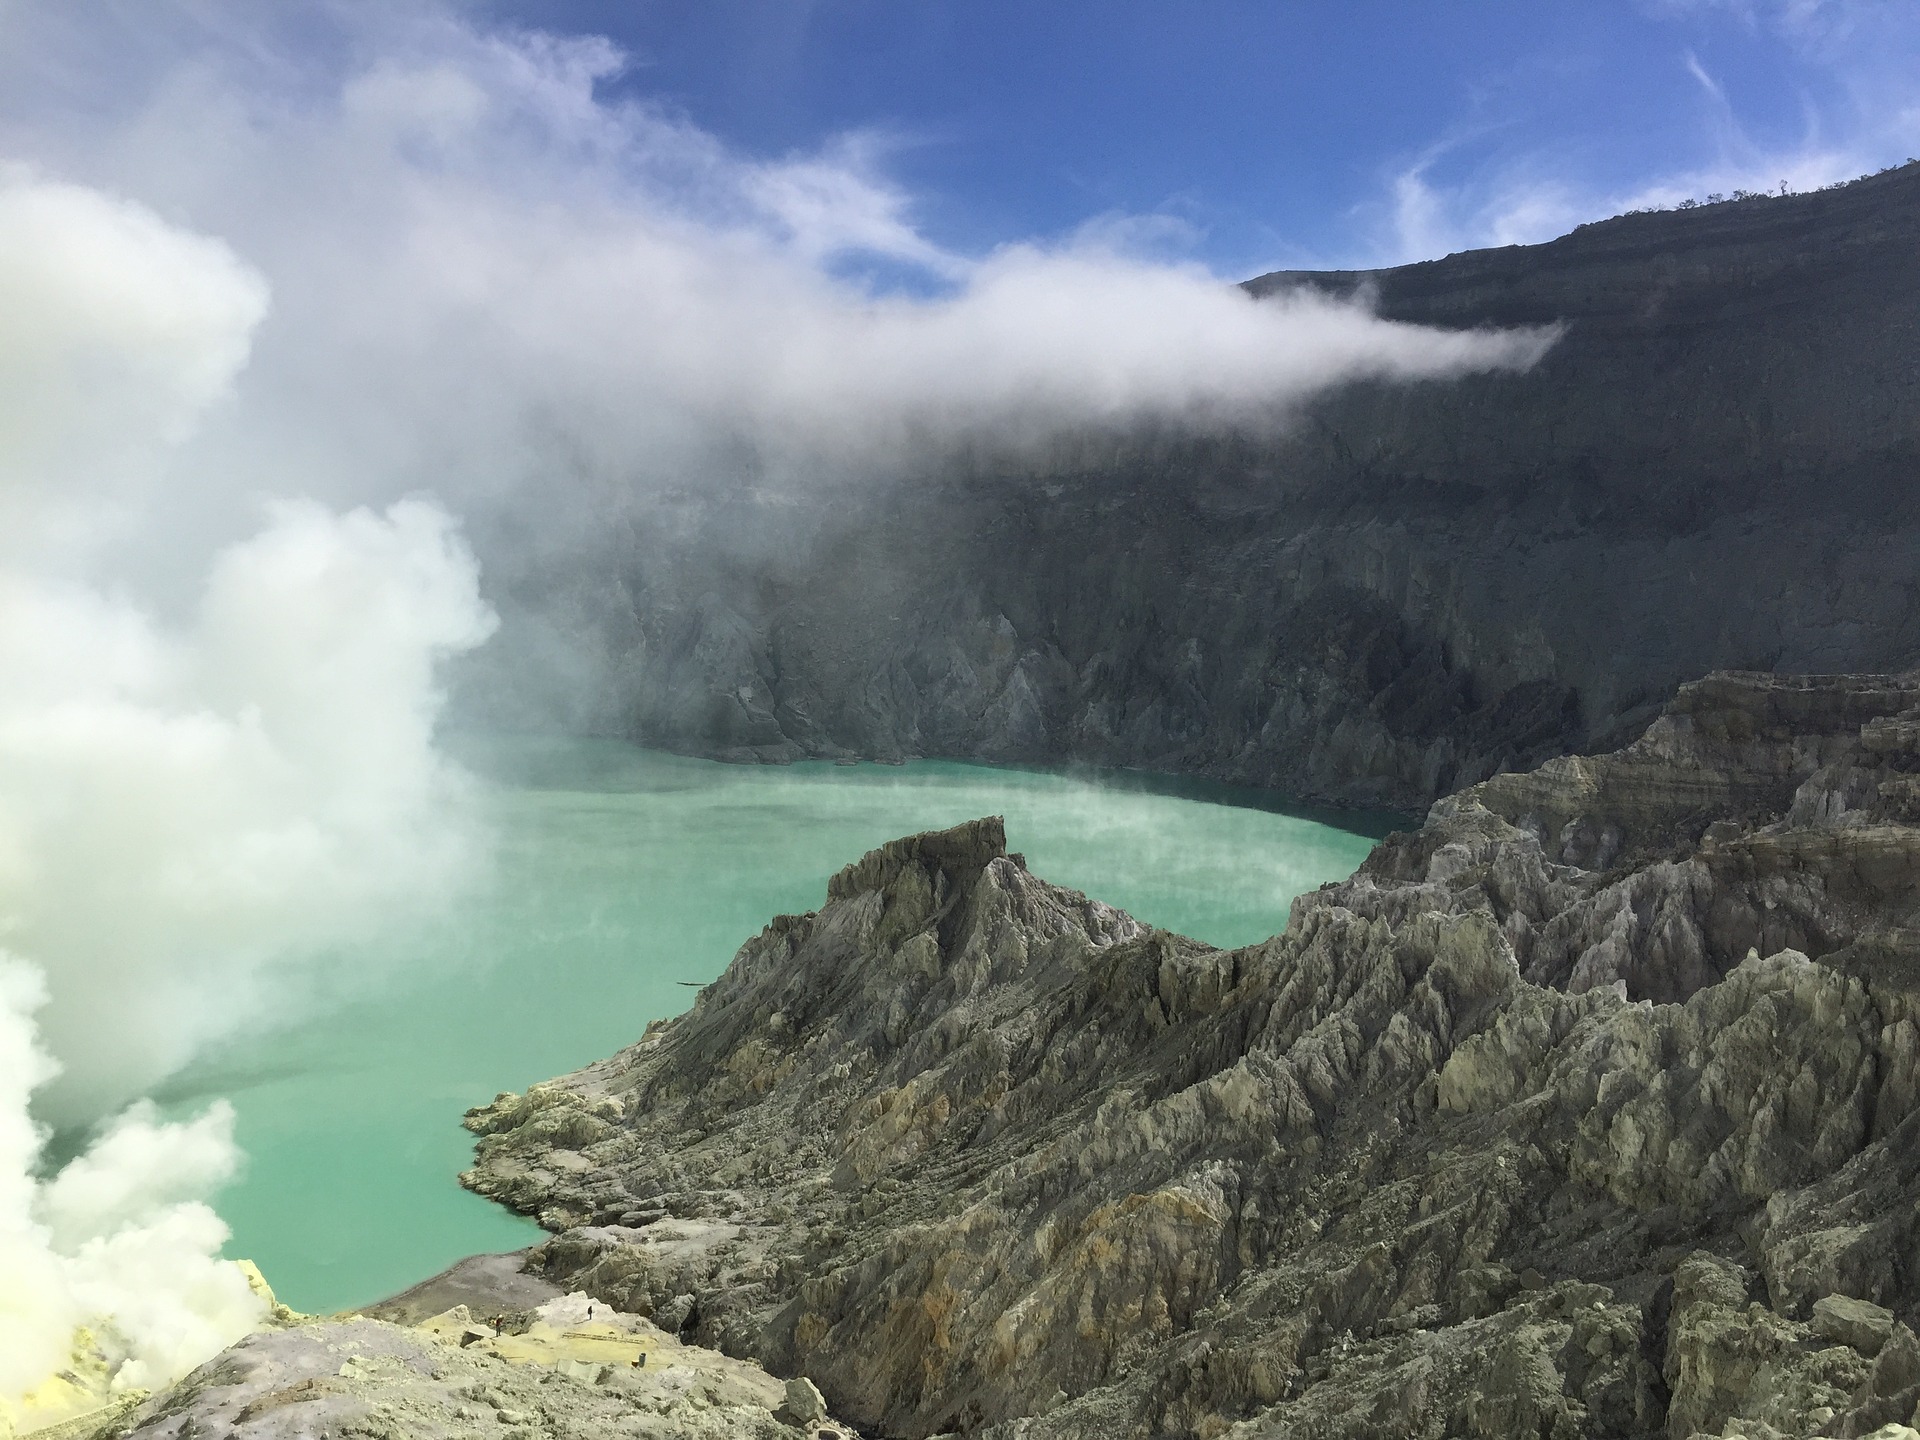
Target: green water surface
{"points": [[621, 872]]}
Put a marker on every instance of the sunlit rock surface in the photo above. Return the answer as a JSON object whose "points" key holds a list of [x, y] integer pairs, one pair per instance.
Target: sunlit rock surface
{"points": [[1588, 1109], [569, 1369]]}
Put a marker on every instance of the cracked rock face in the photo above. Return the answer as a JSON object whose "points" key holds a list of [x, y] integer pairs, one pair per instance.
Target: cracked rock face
{"points": [[1587, 1109]]}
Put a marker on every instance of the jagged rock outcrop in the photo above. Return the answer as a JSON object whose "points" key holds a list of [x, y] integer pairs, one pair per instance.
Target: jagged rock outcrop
{"points": [[1409, 588], [1590, 1108]]}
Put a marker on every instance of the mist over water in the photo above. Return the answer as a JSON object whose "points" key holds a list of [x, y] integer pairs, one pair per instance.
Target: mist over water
{"points": [[621, 873]]}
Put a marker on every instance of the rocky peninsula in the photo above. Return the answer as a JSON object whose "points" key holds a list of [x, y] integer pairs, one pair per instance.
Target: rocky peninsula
{"points": [[1587, 1109]]}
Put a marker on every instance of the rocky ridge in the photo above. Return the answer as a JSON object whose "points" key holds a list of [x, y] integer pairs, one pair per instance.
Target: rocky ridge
{"points": [[1589, 1108]]}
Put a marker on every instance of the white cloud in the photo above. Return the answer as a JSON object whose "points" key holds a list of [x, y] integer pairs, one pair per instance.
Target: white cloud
{"points": [[490, 270], [1713, 88], [837, 203]]}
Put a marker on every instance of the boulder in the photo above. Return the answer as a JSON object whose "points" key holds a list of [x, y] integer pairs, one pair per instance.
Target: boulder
{"points": [[1859, 1323]]}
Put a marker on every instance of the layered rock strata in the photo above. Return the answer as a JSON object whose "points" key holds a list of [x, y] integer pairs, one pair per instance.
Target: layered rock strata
{"points": [[1589, 1108]]}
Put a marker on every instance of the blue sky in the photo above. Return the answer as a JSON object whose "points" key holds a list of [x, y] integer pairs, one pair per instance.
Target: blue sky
{"points": [[1250, 135]]}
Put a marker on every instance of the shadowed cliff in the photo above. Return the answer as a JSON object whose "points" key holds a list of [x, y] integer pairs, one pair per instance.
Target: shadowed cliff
{"points": [[1413, 587]]}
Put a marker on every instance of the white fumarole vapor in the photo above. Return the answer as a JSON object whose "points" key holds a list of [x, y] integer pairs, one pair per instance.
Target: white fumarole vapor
{"points": [[187, 809]]}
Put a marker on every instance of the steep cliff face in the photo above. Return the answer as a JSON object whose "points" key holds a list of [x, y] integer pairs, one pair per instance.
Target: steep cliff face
{"points": [[1588, 1109], [1411, 588]]}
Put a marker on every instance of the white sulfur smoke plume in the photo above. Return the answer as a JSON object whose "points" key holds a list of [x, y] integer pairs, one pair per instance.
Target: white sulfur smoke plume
{"points": [[118, 1241], [116, 331], [184, 813], [188, 810]]}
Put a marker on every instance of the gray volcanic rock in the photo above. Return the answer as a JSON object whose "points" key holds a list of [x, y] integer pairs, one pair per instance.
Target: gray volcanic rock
{"points": [[559, 1372], [1409, 588], [1559, 1118], [485, 1284]]}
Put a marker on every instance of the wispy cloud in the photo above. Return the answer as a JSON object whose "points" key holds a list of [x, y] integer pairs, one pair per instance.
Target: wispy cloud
{"points": [[839, 202], [1715, 91], [1859, 111]]}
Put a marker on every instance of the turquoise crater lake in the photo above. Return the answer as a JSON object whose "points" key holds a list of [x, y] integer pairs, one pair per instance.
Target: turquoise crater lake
{"points": [[620, 874]]}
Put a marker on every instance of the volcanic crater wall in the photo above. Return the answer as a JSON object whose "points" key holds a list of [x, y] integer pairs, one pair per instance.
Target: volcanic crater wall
{"points": [[1414, 586]]}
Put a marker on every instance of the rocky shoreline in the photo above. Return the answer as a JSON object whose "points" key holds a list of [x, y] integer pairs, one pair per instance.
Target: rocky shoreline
{"points": [[1591, 1108]]}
